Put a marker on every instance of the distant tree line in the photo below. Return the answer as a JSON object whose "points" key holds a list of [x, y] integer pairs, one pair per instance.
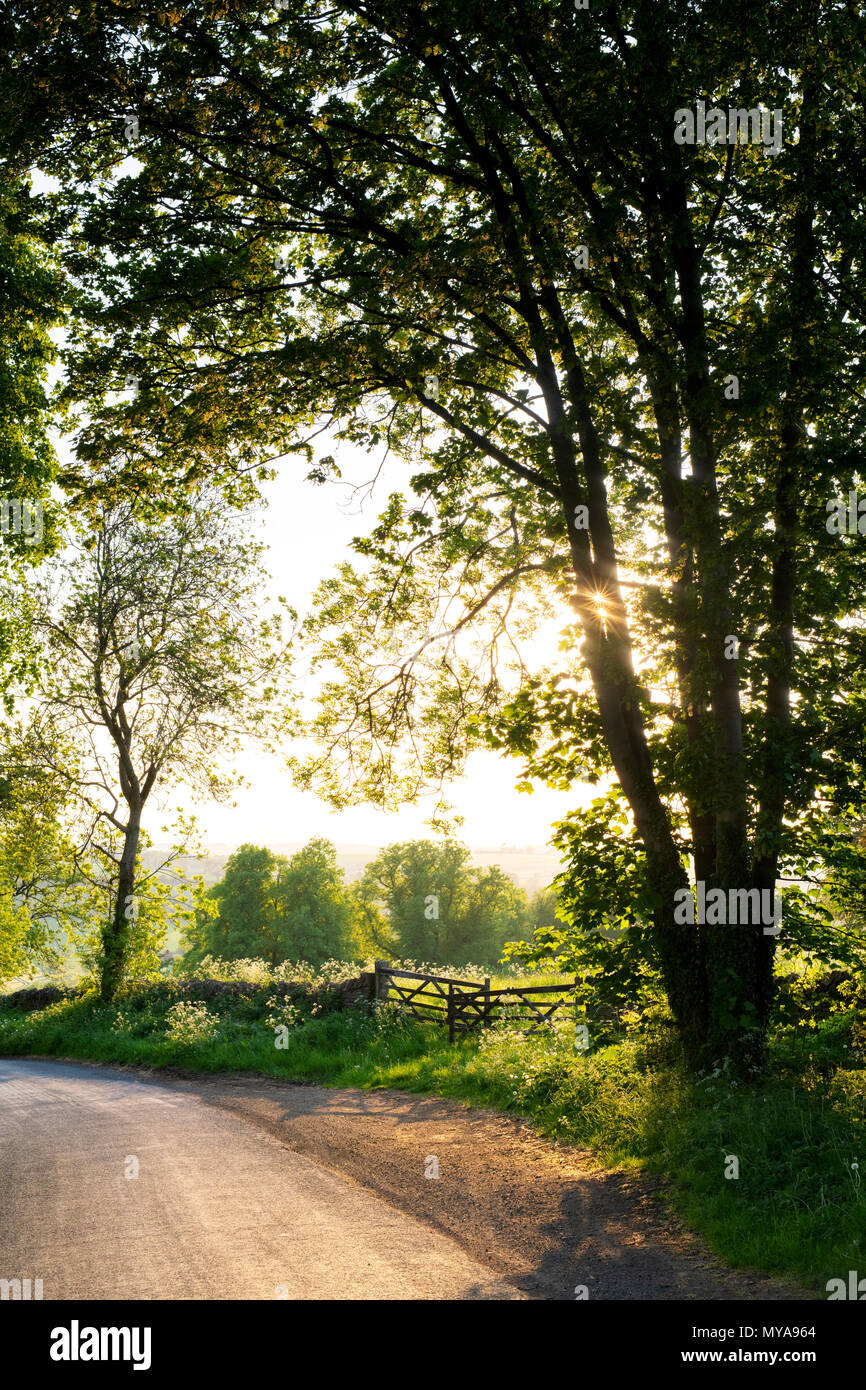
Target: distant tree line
{"points": [[421, 900]]}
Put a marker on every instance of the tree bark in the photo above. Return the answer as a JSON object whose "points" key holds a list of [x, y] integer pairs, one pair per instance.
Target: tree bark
{"points": [[115, 934]]}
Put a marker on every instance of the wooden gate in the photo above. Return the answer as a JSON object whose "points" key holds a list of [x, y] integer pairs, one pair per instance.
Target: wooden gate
{"points": [[465, 1005]]}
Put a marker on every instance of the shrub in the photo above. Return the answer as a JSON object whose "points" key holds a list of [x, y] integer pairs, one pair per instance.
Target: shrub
{"points": [[190, 1023]]}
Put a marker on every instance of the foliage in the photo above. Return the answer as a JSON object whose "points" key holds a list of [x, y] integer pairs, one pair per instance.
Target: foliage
{"points": [[14, 932], [437, 904], [157, 906], [189, 1023], [276, 908], [311, 904], [601, 930], [624, 374], [234, 918], [370, 931], [35, 873], [43, 913], [33, 296]]}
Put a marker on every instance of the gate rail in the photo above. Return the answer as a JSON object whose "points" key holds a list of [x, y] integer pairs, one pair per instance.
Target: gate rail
{"points": [[464, 1005]]}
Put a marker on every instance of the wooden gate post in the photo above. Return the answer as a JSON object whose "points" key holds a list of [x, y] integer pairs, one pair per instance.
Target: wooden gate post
{"points": [[382, 984], [486, 1001], [450, 1012]]}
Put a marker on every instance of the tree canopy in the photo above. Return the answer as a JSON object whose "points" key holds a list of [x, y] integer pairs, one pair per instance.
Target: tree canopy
{"points": [[441, 909], [275, 909], [643, 359]]}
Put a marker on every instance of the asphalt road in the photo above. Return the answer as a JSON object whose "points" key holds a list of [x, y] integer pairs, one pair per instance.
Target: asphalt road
{"points": [[219, 1208]]}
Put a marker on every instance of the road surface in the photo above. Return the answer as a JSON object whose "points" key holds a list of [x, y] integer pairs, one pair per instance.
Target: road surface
{"points": [[219, 1209], [253, 1187]]}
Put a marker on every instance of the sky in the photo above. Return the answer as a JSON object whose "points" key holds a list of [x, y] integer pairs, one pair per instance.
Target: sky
{"points": [[308, 529]]}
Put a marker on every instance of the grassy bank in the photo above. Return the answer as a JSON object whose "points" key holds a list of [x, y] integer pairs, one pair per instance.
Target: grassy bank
{"points": [[798, 1206]]}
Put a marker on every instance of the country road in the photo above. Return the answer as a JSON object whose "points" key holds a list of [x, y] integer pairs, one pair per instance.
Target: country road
{"points": [[219, 1209], [251, 1187]]}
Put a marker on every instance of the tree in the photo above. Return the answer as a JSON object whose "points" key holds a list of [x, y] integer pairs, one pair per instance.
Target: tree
{"points": [[495, 909], [370, 931], [541, 912], [417, 884], [438, 907], [160, 660], [35, 858], [271, 908], [312, 910], [600, 930], [236, 921], [32, 303], [642, 356], [42, 913]]}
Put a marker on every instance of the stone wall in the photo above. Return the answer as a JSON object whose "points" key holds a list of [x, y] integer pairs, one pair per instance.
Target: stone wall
{"points": [[332, 998]]}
